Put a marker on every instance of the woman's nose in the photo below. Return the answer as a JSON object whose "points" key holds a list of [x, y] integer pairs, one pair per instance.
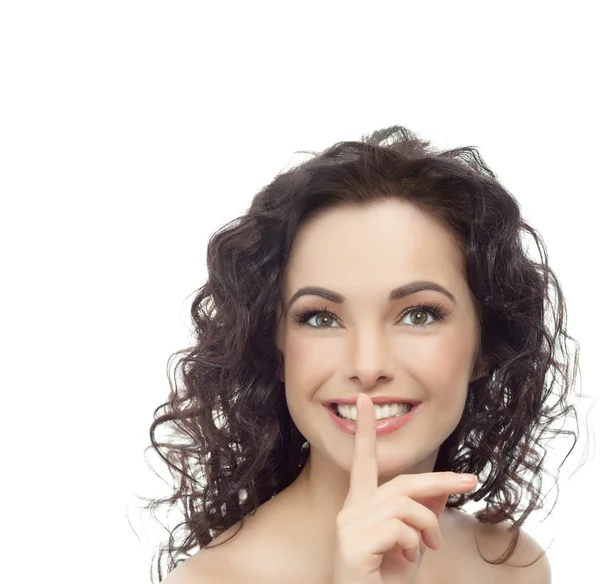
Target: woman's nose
{"points": [[370, 360]]}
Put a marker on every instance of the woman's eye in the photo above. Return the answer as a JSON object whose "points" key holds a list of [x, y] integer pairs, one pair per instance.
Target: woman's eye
{"points": [[325, 317], [420, 318]]}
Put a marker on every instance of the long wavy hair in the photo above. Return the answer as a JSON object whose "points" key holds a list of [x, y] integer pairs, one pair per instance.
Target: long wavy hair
{"points": [[233, 444]]}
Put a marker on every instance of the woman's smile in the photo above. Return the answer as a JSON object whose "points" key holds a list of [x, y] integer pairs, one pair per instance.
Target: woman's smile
{"points": [[383, 426]]}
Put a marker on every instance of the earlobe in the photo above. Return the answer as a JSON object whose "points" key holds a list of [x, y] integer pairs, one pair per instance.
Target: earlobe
{"points": [[481, 370], [281, 371]]}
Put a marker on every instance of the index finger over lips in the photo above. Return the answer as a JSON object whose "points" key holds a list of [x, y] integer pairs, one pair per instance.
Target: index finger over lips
{"points": [[364, 472]]}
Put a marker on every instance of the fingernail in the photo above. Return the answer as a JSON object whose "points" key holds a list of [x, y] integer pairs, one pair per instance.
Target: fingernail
{"points": [[468, 479]]}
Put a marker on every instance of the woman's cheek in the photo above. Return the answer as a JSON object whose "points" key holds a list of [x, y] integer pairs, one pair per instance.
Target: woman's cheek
{"points": [[303, 355]]}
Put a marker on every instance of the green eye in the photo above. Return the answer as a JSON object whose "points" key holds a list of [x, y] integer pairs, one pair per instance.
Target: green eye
{"points": [[437, 311]]}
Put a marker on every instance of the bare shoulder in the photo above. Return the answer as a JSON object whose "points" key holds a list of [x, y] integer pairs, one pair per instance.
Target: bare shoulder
{"points": [[184, 574], [211, 565], [199, 569], [529, 562]]}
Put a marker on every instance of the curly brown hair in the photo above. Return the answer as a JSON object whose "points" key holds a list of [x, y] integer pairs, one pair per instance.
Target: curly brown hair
{"points": [[233, 443]]}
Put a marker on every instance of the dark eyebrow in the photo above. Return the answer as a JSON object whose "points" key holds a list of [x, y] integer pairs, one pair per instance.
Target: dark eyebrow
{"points": [[395, 294]]}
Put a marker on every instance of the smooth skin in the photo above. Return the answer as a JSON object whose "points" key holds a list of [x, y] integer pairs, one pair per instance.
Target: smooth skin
{"points": [[372, 347], [383, 532]]}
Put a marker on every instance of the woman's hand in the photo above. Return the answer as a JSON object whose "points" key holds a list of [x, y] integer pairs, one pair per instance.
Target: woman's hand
{"points": [[382, 532]]}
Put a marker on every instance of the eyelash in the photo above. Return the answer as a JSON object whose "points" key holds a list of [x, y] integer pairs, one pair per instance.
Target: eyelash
{"points": [[439, 312]]}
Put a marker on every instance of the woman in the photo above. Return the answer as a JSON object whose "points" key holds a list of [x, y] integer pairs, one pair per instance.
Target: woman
{"points": [[387, 271]]}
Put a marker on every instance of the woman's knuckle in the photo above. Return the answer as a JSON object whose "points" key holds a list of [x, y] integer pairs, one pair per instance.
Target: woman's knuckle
{"points": [[415, 539], [343, 518], [430, 518]]}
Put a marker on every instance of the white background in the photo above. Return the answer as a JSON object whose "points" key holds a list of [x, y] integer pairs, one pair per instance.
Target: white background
{"points": [[131, 131]]}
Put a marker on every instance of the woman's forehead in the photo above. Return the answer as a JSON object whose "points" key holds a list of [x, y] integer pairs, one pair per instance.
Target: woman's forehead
{"points": [[393, 229], [379, 253]]}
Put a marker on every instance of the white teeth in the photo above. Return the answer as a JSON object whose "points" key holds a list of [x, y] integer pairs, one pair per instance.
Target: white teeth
{"points": [[386, 411]]}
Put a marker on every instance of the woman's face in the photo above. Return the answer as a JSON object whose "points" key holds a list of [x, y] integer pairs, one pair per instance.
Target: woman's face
{"points": [[370, 344]]}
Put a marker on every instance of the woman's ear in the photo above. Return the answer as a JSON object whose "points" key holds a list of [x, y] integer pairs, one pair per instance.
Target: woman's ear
{"points": [[482, 369], [279, 332]]}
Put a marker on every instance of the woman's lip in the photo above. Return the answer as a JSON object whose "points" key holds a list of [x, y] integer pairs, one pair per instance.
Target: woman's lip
{"points": [[383, 426]]}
